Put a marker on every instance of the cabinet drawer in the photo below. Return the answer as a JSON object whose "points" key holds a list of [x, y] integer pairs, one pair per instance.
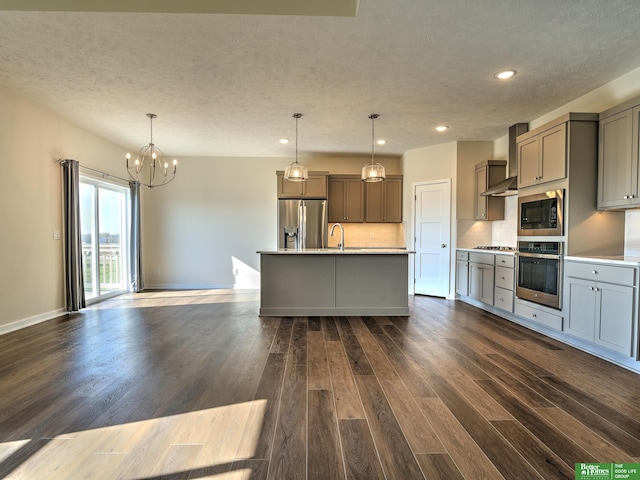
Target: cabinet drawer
{"points": [[598, 272], [539, 316], [480, 257], [504, 278], [503, 299], [462, 255], [508, 261]]}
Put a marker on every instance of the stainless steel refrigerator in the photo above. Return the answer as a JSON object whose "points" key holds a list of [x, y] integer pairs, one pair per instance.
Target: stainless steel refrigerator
{"points": [[302, 224]]}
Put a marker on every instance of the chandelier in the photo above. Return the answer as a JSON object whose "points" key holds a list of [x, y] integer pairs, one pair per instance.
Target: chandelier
{"points": [[296, 172], [373, 172], [150, 168]]}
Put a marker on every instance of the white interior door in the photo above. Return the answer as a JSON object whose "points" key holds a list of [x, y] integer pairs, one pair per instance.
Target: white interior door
{"points": [[432, 238]]}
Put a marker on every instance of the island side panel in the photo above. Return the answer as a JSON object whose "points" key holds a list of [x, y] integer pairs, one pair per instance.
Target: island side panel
{"points": [[372, 284], [293, 284]]}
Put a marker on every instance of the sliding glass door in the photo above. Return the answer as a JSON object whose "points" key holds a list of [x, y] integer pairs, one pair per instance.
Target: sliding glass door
{"points": [[103, 208]]}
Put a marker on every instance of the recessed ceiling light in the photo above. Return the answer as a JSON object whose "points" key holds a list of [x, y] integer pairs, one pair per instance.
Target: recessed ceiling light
{"points": [[284, 141], [382, 141], [505, 74], [442, 128]]}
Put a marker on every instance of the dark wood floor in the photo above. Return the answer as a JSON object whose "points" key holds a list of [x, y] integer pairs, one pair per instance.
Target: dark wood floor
{"points": [[192, 385]]}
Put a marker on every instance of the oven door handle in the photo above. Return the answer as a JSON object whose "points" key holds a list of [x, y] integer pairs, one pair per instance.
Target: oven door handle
{"points": [[540, 255]]}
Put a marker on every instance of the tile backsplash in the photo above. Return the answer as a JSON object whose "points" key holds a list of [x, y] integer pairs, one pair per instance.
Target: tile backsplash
{"points": [[505, 232], [473, 233], [632, 233], [387, 235]]}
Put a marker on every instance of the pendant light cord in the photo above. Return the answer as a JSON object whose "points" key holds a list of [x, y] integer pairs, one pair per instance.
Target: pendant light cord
{"points": [[297, 116], [373, 117]]}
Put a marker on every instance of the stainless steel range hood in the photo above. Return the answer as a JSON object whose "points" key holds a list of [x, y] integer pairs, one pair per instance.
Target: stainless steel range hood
{"points": [[509, 186]]}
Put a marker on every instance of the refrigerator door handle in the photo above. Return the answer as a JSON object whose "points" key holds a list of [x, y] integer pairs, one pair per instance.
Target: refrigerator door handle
{"points": [[302, 223]]}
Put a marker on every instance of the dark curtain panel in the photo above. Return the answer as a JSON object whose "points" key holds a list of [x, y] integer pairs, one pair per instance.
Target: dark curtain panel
{"points": [[135, 247], [74, 279]]}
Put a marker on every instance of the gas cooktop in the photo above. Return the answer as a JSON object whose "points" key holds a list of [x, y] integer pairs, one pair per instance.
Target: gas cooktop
{"points": [[499, 248]]}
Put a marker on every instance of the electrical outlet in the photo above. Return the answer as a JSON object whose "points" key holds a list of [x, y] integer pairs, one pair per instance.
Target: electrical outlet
{"points": [[56, 234], [371, 235]]}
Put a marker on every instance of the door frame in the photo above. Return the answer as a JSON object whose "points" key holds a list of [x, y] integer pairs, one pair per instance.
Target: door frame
{"points": [[414, 236]]}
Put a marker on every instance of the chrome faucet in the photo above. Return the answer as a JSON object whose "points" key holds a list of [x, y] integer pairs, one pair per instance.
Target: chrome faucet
{"points": [[341, 244]]}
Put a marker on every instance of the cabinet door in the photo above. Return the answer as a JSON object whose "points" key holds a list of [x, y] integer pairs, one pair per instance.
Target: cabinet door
{"points": [[288, 189], [337, 194], [374, 198], [315, 186], [354, 200], [581, 295], [614, 160], [462, 277], [635, 157], [553, 154], [614, 328], [393, 200], [528, 165], [481, 186], [481, 282], [384, 201]]}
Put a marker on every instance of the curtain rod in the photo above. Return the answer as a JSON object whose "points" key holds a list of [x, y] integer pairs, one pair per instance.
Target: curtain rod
{"points": [[104, 174]]}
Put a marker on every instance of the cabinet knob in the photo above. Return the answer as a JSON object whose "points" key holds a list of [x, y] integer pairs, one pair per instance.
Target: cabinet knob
{"points": [[631, 196], [626, 197], [534, 315], [502, 278], [484, 215], [444, 245], [595, 272]]}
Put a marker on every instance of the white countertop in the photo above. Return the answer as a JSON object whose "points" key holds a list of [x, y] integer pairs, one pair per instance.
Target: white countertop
{"points": [[486, 250], [606, 259], [337, 251]]}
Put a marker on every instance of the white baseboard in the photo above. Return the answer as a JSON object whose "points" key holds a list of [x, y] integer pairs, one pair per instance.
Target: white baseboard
{"points": [[186, 286], [27, 322]]}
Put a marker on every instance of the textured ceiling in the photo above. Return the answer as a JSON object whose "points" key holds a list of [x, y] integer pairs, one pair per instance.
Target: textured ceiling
{"points": [[227, 85]]}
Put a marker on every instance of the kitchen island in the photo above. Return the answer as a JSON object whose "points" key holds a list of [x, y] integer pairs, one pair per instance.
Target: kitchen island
{"points": [[350, 282]]}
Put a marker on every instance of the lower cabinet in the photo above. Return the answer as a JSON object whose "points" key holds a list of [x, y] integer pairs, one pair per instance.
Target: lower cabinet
{"points": [[462, 273], [538, 314], [600, 311], [504, 282], [481, 282]]}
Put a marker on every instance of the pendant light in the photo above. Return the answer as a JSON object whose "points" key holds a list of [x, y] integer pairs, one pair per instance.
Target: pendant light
{"points": [[296, 172], [373, 172], [150, 167]]}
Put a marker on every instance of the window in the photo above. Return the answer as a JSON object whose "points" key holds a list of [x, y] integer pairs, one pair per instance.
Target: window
{"points": [[103, 220]]}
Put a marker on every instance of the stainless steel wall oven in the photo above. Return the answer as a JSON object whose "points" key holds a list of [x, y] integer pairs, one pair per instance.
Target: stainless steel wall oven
{"points": [[541, 214], [539, 272]]}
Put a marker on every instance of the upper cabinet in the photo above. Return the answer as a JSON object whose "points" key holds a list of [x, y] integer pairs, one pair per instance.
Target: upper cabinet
{"points": [[346, 198], [619, 156], [384, 200], [488, 174], [542, 156], [315, 187], [352, 200]]}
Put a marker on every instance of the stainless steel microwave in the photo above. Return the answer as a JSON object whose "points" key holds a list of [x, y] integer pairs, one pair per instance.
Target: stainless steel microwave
{"points": [[541, 214]]}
